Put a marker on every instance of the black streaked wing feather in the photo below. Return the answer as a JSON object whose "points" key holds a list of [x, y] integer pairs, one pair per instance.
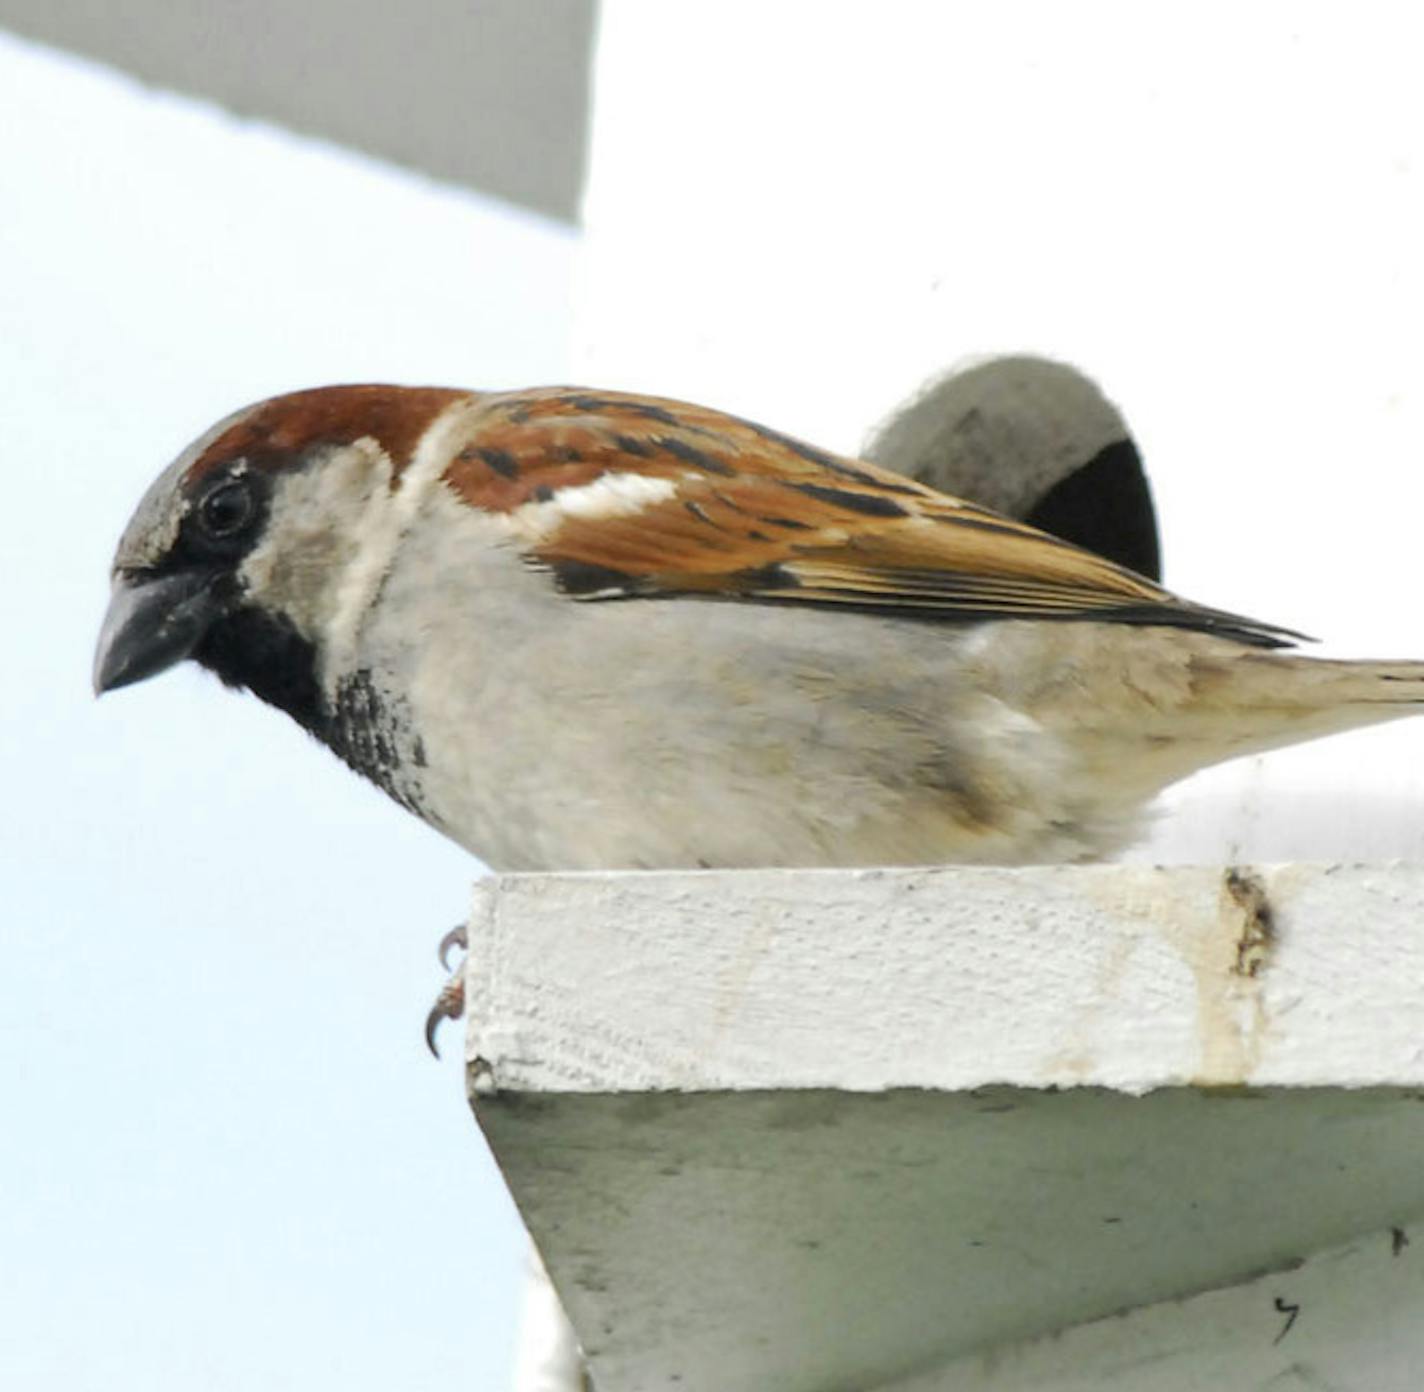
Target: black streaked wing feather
{"points": [[759, 517]]}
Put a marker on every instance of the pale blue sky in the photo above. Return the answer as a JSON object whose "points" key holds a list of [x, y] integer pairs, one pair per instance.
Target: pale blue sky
{"points": [[226, 1159]]}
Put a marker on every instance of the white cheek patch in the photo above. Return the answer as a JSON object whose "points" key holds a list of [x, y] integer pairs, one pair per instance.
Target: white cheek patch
{"points": [[613, 495], [379, 532], [319, 520]]}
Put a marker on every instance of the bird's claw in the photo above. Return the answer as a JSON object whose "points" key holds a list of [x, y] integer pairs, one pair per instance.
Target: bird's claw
{"points": [[449, 1005], [456, 937]]}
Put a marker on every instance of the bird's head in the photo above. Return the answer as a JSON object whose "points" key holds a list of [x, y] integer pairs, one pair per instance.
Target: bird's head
{"points": [[237, 553]]}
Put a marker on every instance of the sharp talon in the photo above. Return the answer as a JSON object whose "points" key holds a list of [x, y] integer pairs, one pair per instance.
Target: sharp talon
{"points": [[456, 937], [449, 1005]]}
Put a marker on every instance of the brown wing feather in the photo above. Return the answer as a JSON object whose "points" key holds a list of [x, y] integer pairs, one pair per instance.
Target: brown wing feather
{"points": [[752, 514]]}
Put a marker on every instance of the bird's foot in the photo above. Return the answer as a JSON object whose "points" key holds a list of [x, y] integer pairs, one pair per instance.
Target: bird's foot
{"points": [[450, 1003], [459, 937]]}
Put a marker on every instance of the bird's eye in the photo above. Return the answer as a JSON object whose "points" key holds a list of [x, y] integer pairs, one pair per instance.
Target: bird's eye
{"points": [[226, 510]]}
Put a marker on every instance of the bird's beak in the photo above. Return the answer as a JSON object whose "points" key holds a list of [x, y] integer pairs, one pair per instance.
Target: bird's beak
{"points": [[153, 622]]}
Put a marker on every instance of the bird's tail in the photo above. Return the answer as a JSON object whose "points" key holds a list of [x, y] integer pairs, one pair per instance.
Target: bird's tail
{"points": [[1222, 703], [1261, 701], [1339, 693]]}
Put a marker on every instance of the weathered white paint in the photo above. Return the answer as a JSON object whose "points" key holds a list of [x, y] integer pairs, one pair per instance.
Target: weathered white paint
{"points": [[1129, 977], [795, 1129]]}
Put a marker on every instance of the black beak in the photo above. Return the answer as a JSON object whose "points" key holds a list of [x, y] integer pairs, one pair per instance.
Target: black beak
{"points": [[153, 622]]}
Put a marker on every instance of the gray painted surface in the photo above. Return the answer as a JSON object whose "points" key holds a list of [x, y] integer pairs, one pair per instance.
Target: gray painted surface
{"points": [[807, 1240], [492, 94]]}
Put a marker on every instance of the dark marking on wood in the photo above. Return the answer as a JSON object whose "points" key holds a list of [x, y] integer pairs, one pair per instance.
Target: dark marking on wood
{"points": [[1290, 1311], [1257, 933], [543, 494]]}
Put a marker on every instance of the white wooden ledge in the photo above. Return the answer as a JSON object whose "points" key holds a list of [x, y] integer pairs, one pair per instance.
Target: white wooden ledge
{"points": [[833, 1129]]}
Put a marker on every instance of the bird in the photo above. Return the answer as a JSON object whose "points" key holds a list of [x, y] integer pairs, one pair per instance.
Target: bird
{"points": [[579, 629]]}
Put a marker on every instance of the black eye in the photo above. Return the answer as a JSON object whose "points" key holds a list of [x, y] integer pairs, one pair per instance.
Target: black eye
{"points": [[227, 509]]}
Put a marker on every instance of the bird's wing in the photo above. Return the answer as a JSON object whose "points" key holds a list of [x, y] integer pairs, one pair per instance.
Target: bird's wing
{"points": [[627, 496]]}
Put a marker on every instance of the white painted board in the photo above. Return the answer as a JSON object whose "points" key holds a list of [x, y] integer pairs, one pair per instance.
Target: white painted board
{"points": [[824, 1129]]}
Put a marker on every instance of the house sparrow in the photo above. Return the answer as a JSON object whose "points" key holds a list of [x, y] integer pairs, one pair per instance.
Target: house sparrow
{"points": [[576, 629]]}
